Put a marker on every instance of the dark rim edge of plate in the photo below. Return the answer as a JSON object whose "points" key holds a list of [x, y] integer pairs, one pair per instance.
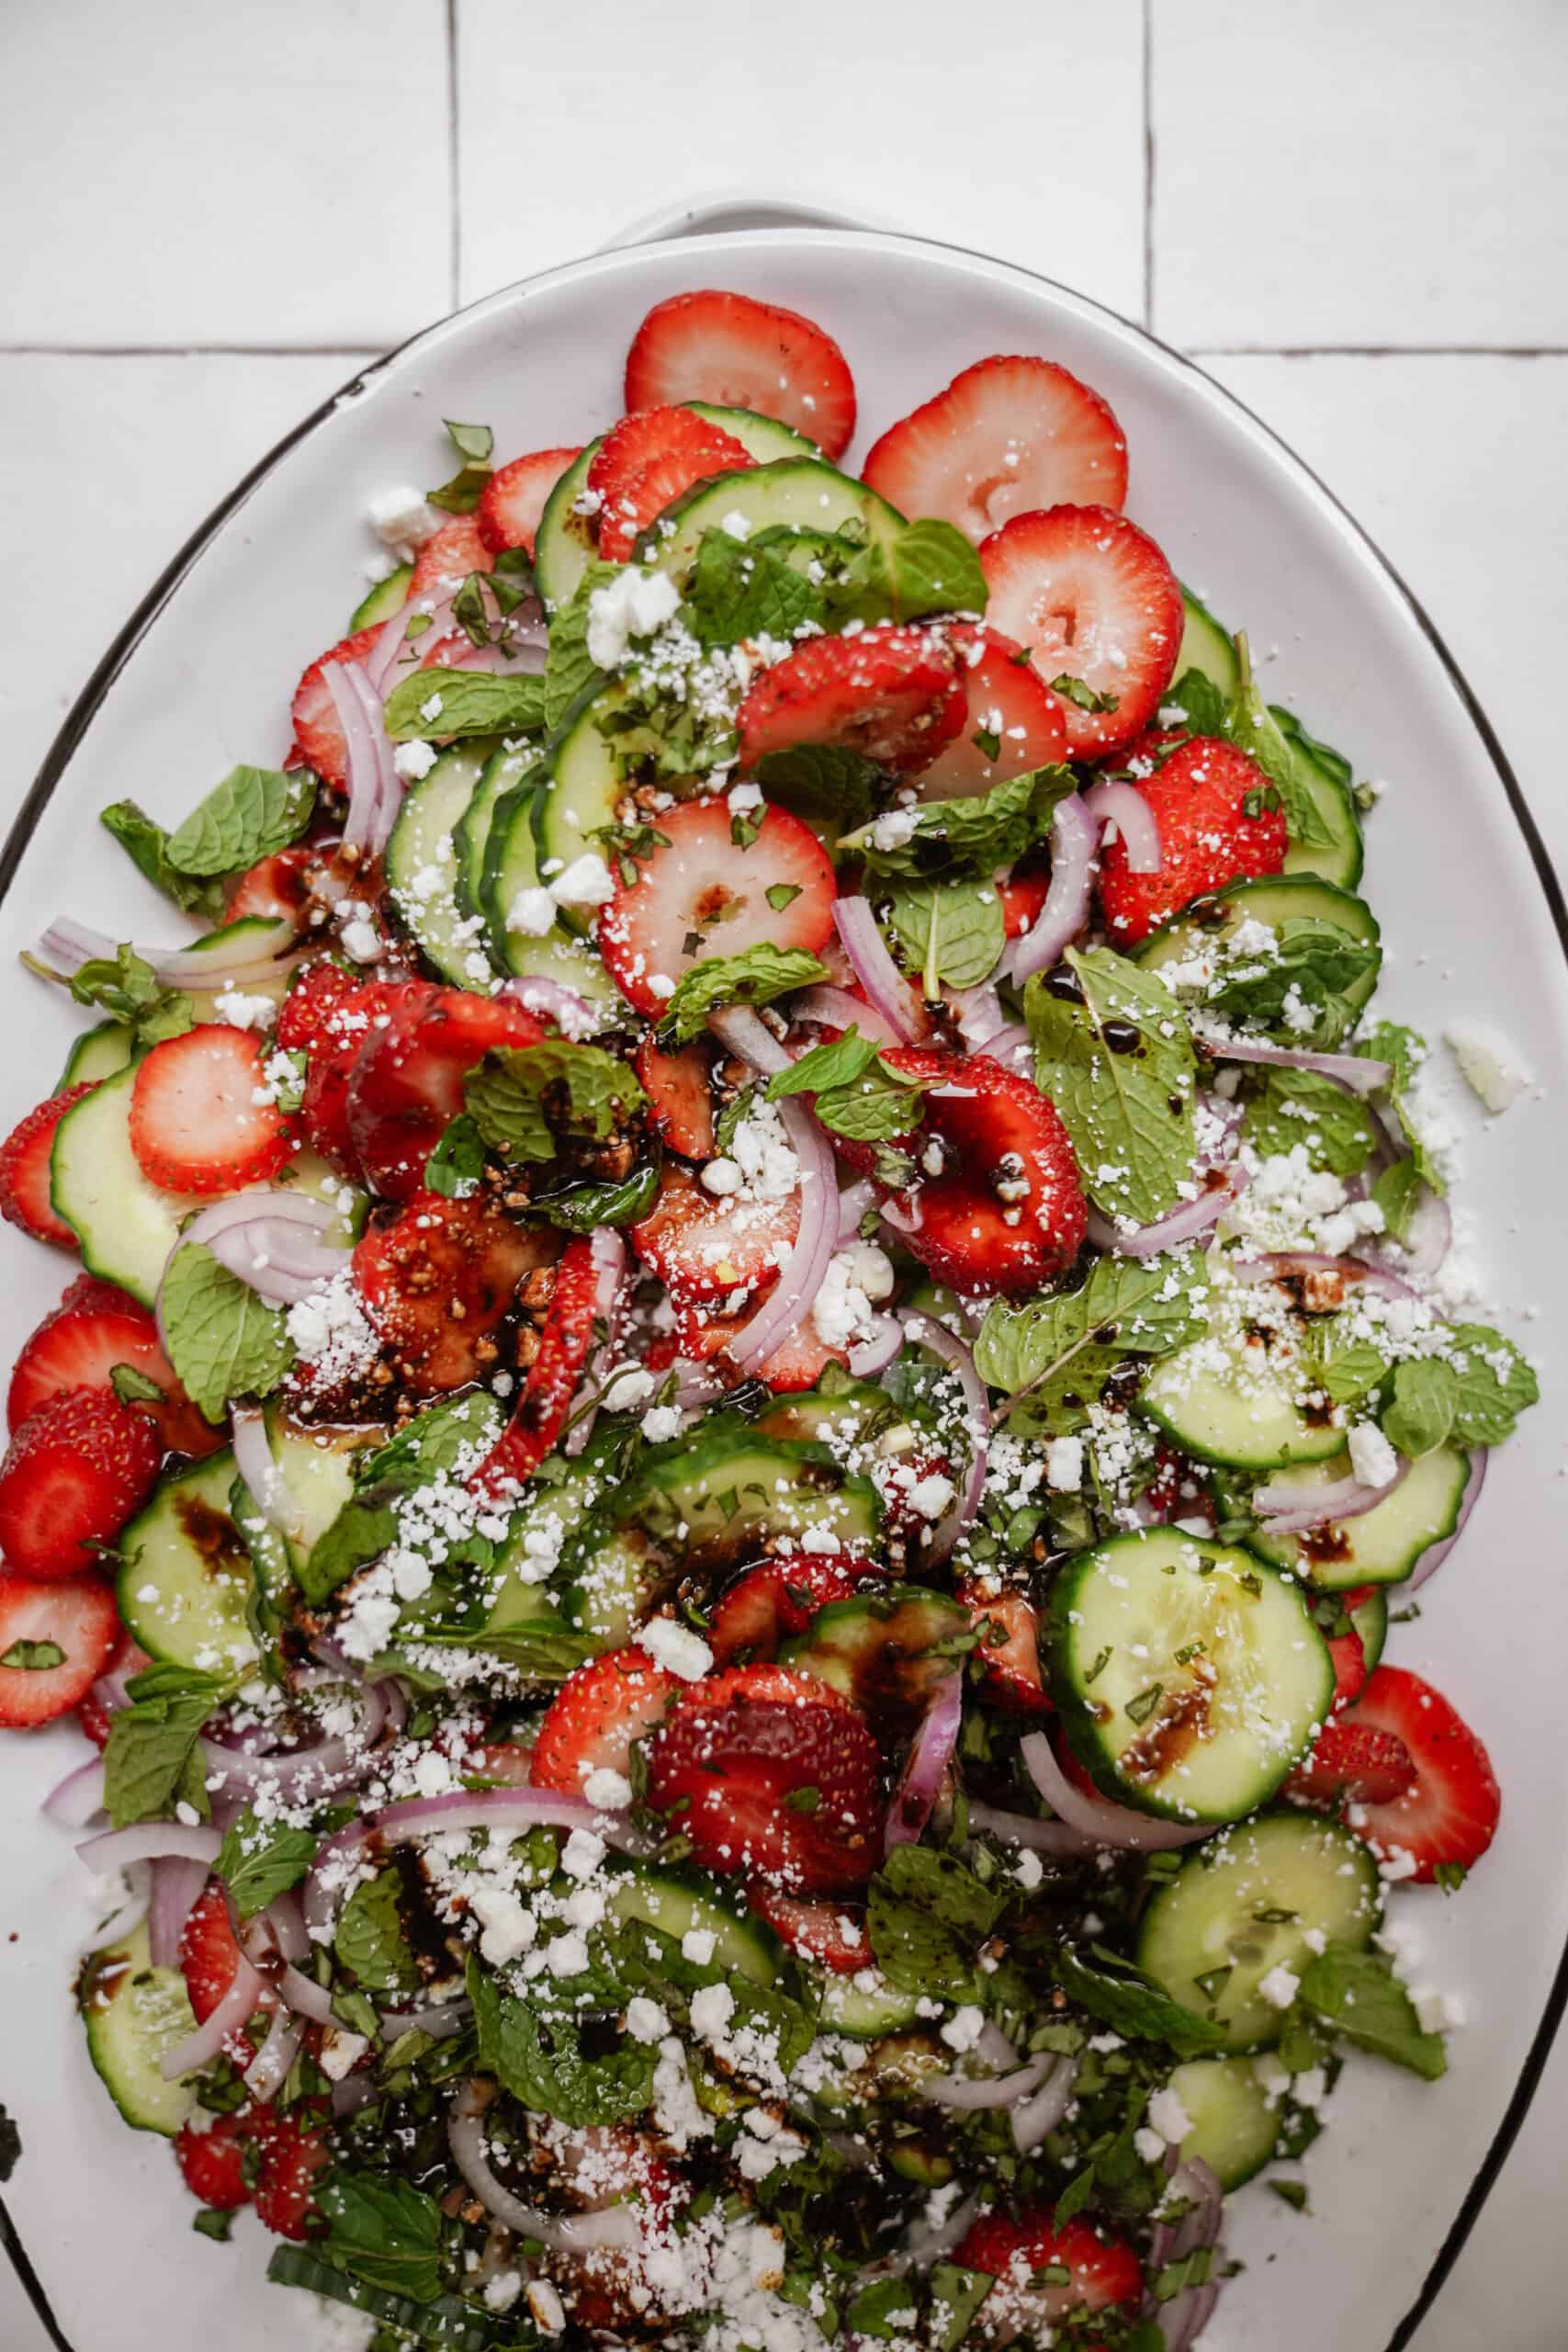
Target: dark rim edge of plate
{"points": [[85, 709]]}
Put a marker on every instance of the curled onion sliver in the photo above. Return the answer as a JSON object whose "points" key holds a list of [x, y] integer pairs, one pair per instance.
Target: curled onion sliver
{"points": [[959, 1358], [801, 1275], [888, 991], [68, 945], [147, 1841], [245, 1995], [74, 1801], [837, 1009], [269, 1490], [128, 1915], [748, 1037], [971, 2094], [1432, 1558], [1114, 802], [1066, 908], [268, 2070], [616, 2225], [1177, 1225], [877, 1349], [1036, 2116], [608, 1254], [1096, 1817], [178, 1880], [1357, 1073], [931, 1752], [1293, 1510], [1026, 1830]]}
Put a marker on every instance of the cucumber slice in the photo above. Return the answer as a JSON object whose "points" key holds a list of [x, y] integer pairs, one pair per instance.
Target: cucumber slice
{"points": [[887, 1651], [511, 864], [126, 1226], [1371, 1620], [1229, 1399], [317, 1466], [848, 1413], [252, 934], [386, 597], [762, 437], [680, 1903], [866, 2016], [1236, 2126], [581, 793], [714, 1499], [470, 835], [1276, 900], [1317, 777], [1382, 1546], [185, 1585], [309, 1172], [421, 867], [1248, 1904], [564, 542], [96, 1054], [133, 2013], [616, 1581], [1206, 647], [1190, 1675], [794, 489]]}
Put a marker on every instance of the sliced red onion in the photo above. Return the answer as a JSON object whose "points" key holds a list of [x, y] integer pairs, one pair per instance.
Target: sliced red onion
{"points": [[128, 1915], [248, 1994], [268, 2070], [1006, 1043], [573, 1014], [304, 1996], [286, 1220], [694, 1385], [1036, 2116], [1182, 2321], [1193, 2184], [1066, 908], [926, 1333], [609, 1252], [1124, 806], [269, 1490], [1278, 1265], [616, 2225], [147, 1841], [1096, 1817], [1432, 1558], [749, 1039], [67, 945], [1428, 1238], [878, 1349], [74, 1801], [1178, 1226], [1357, 1074], [888, 991], [1293, 1510], [440, 2019], [923, 2248], [176, 1882], [277, 1260], [316, 1771], [978, 1013], [930, 1753], [854, 1202], [381, 660], [1025, 1829], [837, 1009], [375, 788], [969, 2094], [801, 1275]]}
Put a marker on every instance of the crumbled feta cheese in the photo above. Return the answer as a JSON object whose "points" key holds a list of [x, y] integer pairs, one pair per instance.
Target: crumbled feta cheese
{"points": [[680, 1649], [1279, 1987], [699, 1945], [1495, 1079], [414, 761], [646, 2021], [360, 941], [1438, 2012], [1063, 1464], [586, 882], [608, 1789], [634, 604], [241, 1012], [1169, 2117], [963, 2029], [402, 521], [661, 1422], [532, 913], [1372, 1458]]}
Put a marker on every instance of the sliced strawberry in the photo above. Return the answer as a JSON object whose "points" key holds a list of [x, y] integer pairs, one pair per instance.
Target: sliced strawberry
{"points": [[1015, 2249], [1009, 435], [211, 2158], [593, 1719], [437, 1278], [24, 1170], [647, 461], [1093, 599], [735, 1749], [1349, 1670], [736, 353], [1012, 722], [75, 1471], [895, 694], [275, 887], [503, 1760], [310, 1014], [330, 1017], [318, 731], [679, 1094], [209, 1957], [702, 1247], [1008, 1649], [770, 1602], [74, 1623], [703, 894], [91, 1712], [1004, 1211], [196, 1124], [513, 499], [1219, 820], [1352, 1763], [1449, 1816], [94, 1327], [565, 1344], [703, 1333], [446, 559], [1023, 893], [822, 1932], [293, 2150], [407, 1080]]}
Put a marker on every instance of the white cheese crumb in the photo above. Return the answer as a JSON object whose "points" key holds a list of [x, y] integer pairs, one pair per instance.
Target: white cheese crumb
{"points": [[586, 882], [680, 1649], [1372, 1458], [532, 913], [414, 761], [1279, 1987], [1495, 1079], [1063, 1464]]}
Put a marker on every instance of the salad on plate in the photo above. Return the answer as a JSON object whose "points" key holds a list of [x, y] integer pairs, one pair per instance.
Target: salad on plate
{"points": [[761, 1346]]}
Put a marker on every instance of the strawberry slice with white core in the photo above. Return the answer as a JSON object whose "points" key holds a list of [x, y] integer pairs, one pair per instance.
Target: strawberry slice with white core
{"points": [[55, 1641], [203, 1118], [701, 894], [704, 1245], [1013, 721], [1449, 1816], [896, 695], [1095, 601], [514, 499], [734, 352], [26, 1170], [318, 730], [1007, 436], [446, 559]]}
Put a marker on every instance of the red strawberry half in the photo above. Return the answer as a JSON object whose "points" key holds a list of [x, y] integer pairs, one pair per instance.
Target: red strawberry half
{"points": [[735, 353], [75, 1471], [1095, 601], [209, 1957], [513, 499], [703, 1246], [24, 1170], [1013, 721], [276, 887], [565, 1344], [703, 1332], [1219, 820], [648, 460], [702, 894], [679, 1094], [1015, 2251], [594, 1717], [94, 1327], [896, 695], [202, 1117], [1009, 435], [1008, 1649], [407, 1080], [317, 728], [1449, 1816], [293, 2151], [770, 1602], [437, 1280], [211, 2158], [56, 1638]]}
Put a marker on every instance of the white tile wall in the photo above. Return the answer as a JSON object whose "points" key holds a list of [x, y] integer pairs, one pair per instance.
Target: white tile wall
{"points": [[1368, 173]]}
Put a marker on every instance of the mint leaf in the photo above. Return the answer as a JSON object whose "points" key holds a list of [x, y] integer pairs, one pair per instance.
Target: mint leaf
{"points": [[1345, 1369], [1396, 1193], [1493, 1384], [1081, 695], [544, 1649], [384, 2232], [1200, 702], [152, 1758], [223, 1340], [1357, 1994], [360, 1533], [1251, 726], [1298, 1106], [755, 976], [371, 1939], [877, 1108], [1057, 1354], [951, 931], [956, 2295], [925, 1916], [521, 1095], [455, 1166], [837, 1063], [252, 813], [434, 704], [260, 1859], [474, 443], [1313, 965], [539, 2060], [826, 781], [1113, 1053], [133, 1388], [931, 567], [570, 670], [1419, 1415], [739, 591], [445, 2322], [145, 842], [988, 831], [443, 1442], [582, 1208], [1404, 1050], [1138, 2012], [129, 989]]}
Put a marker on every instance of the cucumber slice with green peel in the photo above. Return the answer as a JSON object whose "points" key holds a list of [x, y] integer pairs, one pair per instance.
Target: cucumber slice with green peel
{"points": [[1190, 1675], [852, 1410], [616, 1580], [795, 489], [541, 1530], [470, 836], [866, 2016], [1242, 1905], [1206, 647], [762, 437], [1383, 1546], [1235, 2124], [715, 1498], [582, 790], [512, 865], [1231, 1400], [680, 1903], [126, 1226], [309, 1172], [97, 1054], [134, 2013], [887, 1651], [564, 544], [183, 1586], [1371, 1620], [251, 936], [1340, 857], [421, 867], [386, 597], [317, 1467], [1274, 900]]}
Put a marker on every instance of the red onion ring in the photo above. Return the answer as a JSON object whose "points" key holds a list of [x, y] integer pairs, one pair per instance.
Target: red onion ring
{"points": [[176, 1882], [1066, 908], [1286, 1514], [801, 1275], [923, 2248], [1038, 2116], [128, 1917], [930, 1753], [440, 2019], [1124, 806], [616, 2225], [878, 1349], [750, 1038], [149, 1841], [887, 991], [609, 1252], [363, 760], [573, 1014], [68, 945], [245, 1995], [970, 2094], [837, 1009], [270, 1209], [1026, 1830], [979, 1012], [380, 660], [268, 2070], [354, 2092], [74, 1801], [1183, 2319], [1108, 1825], [318, 1770], [1177, 1225], [270, 1492], [1432, 1558], [1355, 1072], [923, 1332], [1276, 1265], [1428, 1238]]}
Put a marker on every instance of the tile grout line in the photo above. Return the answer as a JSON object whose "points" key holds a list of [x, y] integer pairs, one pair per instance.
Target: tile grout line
{"points": [[1149, 168], [453, 177]]}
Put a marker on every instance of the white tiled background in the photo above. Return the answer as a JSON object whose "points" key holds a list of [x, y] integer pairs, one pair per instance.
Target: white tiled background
{"points": [[1354, 213]]}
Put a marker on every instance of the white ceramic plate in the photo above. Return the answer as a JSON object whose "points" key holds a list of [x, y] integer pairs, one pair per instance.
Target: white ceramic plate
{"points": [[1473, 921]]}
